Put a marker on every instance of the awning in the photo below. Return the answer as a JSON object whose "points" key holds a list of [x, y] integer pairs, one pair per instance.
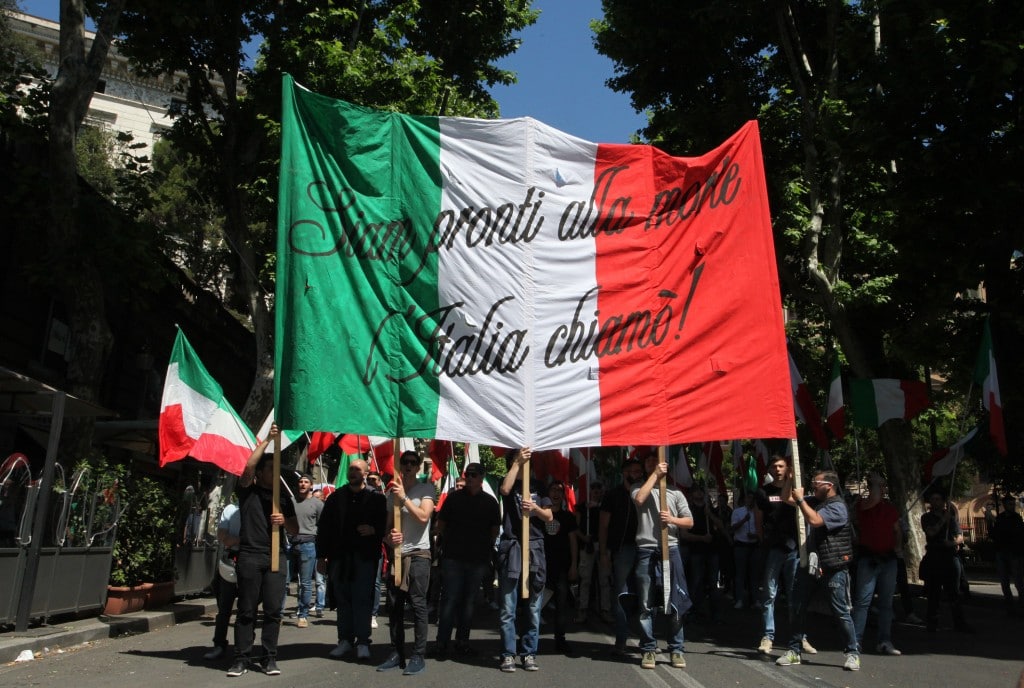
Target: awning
{"points": [[21, 395]]}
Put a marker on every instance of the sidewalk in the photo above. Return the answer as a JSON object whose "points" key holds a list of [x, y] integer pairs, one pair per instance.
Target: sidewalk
{"points": [[64, 635]]}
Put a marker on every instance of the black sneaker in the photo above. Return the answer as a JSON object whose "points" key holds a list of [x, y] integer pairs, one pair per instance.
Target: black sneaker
{"points": [[238, 667], [269, 667], [416, 666]]}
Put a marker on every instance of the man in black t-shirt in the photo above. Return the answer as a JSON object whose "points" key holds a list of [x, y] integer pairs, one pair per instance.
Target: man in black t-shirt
{"points": [[776, 521], [257, 584], [941, 567], [561, 556], [467, 527], [617, 542]]}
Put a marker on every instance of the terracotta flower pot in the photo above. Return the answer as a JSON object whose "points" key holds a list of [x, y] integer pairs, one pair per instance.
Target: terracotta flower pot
{"points": [[159, 595], [125, 600]]}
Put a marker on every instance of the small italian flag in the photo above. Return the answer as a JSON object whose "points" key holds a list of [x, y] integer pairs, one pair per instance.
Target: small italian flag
{"points": [[985, 375], [881, 399], [195, 418], [835, 411], [945, 460]]}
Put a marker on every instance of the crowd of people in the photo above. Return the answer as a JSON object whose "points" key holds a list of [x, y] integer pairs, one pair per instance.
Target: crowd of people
{"points": [[625, 550]]}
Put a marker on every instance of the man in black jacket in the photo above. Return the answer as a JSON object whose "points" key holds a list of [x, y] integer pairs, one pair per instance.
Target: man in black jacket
{"points": [[348, 548]]}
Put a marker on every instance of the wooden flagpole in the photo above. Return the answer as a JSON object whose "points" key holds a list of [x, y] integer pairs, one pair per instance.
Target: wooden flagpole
{"points": [[396, 566], [524, 578], [801, 534], [275, 531], [666, 567]]}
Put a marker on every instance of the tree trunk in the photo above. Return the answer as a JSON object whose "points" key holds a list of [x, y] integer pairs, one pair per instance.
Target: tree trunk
{"points": [[79, 284]]}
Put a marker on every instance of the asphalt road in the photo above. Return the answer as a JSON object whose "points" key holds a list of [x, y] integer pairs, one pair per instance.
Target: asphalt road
{"points": [[718, 656]]}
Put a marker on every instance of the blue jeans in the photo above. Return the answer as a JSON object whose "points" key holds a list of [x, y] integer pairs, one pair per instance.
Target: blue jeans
{"points": [[874, 575], [623, 561], [509, 592], [650, 600], [838, 582], [778, 563], [460, 581], [321, 590], [352, 581], [307, 565], [377, 587], [702, 571]]}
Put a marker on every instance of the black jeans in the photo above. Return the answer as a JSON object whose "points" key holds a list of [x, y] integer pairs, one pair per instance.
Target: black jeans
{"points": [[419, 581], [558, 583], [257, 584], [226, 595]]}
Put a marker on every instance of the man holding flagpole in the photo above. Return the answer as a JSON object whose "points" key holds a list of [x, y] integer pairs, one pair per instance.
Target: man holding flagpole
{"points": [[257, 583], [412, 535], [510, 560], [648, 559]]}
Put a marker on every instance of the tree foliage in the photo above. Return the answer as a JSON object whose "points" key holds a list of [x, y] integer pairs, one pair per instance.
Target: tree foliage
{"points": [[395, 54], [889, 131]]}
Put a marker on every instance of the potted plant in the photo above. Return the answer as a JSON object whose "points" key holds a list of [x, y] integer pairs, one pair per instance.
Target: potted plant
{"points": [[142, 574]]}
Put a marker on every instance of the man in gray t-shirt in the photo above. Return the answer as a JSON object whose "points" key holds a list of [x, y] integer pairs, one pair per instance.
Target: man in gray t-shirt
{"points": [[647, 498], [307, 512]]}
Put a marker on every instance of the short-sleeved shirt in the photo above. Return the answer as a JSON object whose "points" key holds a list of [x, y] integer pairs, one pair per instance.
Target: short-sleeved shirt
{"points": [[746, 533], [512, 506], [778, 519], [618, 504], [556, 542], [469, 523], [937, 542], [876, 527], [648, 531], [415, 535], [256, 504], [307, 512], [834, 513]]}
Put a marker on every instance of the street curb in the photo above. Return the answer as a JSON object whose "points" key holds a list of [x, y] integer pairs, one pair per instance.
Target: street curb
{"points": [[48, 639]]}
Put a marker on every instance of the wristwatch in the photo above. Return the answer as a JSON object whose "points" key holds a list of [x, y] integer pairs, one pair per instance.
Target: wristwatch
{"points": [[800, 500]]}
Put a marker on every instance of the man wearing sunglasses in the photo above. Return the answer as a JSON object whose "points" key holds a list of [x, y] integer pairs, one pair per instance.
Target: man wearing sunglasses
{"points": [[412, 536], [830, 537], [468, 526]]}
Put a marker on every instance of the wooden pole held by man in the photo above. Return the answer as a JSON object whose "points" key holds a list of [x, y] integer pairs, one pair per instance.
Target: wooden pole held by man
{"points": [[396, 513], [275, 531], [524, 579]]}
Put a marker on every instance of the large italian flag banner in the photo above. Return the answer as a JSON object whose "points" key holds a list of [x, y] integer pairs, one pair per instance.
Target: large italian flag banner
{"points": [[506, 283]]}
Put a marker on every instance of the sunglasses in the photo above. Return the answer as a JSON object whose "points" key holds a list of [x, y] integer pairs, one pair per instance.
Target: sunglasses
{"points": [[472, 474], [410, 463]]}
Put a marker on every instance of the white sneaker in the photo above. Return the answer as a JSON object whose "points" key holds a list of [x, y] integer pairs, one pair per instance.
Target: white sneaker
{"points": [[765, 647], [886, 648], [852, 663], [373, 623], [807, 647], [343, 649], [362, 651]]}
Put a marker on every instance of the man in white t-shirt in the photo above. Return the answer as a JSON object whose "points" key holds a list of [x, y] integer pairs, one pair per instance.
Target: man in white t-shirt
{"points": [[413, 534]]}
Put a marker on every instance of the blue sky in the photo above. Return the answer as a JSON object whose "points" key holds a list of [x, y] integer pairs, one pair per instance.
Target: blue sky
{"points": [[561, 76]]}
